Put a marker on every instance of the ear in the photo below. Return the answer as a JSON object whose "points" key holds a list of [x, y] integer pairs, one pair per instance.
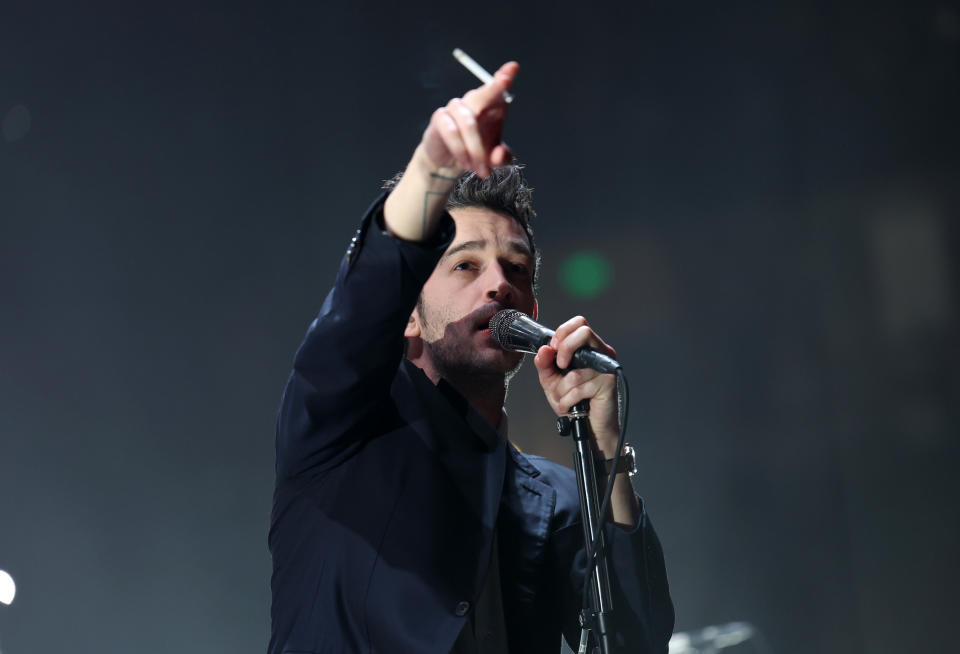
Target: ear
{"points": [[412, 329], [536, 309]]}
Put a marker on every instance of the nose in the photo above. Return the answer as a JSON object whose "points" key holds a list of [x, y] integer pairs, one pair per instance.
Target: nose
{"points": [[498, 286]]}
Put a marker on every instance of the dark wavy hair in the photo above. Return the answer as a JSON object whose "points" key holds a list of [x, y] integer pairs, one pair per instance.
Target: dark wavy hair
{"points": [[505, 191]]}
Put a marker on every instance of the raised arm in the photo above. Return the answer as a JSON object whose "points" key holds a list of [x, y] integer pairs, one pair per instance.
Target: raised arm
{"points": [[463, 135], [346, 363]]}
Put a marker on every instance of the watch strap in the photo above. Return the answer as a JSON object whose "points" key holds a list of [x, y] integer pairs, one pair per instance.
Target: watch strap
{"points": [[627, 463]]}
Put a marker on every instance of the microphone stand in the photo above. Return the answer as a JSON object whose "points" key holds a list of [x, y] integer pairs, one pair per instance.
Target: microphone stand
{"points": [[597, 617]]}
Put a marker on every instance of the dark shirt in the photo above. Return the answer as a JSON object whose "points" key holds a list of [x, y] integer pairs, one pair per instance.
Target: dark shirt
{"points": [[486, 630]]}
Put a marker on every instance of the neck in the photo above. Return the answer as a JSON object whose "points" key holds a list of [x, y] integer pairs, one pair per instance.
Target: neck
{"points": [[484, 391]]}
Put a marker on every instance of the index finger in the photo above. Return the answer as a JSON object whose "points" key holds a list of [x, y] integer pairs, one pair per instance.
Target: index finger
{"points": [[489, 94], [545, 361], [567, 328]]}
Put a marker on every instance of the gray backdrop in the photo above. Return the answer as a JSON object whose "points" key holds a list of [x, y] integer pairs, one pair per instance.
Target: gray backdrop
{"points": [[775, 185]]}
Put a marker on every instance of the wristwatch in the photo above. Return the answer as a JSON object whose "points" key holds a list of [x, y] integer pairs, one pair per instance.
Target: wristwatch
{"points": [[627, 464]]}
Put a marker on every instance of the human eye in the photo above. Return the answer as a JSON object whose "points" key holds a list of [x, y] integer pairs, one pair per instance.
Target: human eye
{"points": [[465, 265]]}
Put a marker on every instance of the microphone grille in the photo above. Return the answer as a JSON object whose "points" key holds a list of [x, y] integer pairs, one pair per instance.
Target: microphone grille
{"points": [[500, 324]]}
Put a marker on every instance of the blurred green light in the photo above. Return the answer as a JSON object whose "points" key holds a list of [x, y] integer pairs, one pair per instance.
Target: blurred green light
{"points": [[586, 274]]}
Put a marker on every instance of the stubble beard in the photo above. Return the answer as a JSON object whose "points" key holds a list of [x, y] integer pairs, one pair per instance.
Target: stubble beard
{"points": [[455, 357]]}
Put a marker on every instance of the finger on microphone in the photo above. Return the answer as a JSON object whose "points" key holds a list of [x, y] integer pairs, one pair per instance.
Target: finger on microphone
{"points": [[544, 358]]}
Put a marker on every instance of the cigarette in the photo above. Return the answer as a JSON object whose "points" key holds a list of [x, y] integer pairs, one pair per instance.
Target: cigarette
{"points": [[479, 71]]}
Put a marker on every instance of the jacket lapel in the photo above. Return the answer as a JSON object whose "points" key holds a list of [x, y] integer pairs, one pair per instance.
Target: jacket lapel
{"points": [[526, 512]]}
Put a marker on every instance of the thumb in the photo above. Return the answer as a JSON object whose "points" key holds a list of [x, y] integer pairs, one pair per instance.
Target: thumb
{"points": [[501, 155]]}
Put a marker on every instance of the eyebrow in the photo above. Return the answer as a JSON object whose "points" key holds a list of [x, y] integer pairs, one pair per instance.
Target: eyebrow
{"points": [[515, 245]]}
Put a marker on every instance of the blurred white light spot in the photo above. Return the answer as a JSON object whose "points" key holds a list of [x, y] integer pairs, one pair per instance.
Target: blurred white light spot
{"points": [[711, 639], [7, 588], [679, 643], [16, 123]]}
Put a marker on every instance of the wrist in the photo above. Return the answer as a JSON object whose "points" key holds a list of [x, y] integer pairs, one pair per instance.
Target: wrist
{"points": [[606, 444], [439, 176], [418, 200]]}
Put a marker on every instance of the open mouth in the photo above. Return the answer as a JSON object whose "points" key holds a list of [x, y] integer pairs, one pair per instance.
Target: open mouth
{"points": [[485, 314], [484, 325]]}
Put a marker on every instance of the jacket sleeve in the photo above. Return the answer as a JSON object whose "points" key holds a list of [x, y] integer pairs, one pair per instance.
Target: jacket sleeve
{"points": [[346, 363], [643, 617]]}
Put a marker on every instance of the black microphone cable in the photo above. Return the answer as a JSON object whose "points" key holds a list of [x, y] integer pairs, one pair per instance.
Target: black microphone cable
{"points": [[623, 401]]}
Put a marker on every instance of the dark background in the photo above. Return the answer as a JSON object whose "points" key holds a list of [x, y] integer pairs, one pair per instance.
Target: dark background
{"points": [[777, 187]]}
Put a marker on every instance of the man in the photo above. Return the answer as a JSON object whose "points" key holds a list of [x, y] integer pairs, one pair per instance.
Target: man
{"points": [[403, 520]]}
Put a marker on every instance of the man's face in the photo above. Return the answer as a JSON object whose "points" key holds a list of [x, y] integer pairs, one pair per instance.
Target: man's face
{"points": [[487, 268]]}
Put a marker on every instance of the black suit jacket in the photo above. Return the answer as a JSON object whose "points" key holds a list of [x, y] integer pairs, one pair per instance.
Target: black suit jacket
{"points": [[388, 490]]}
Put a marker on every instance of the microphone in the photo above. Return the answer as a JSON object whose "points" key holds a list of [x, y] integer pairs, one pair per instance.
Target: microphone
{"points": [[516, 331]]}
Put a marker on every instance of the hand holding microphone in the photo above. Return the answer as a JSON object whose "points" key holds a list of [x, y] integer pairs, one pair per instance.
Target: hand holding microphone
{"points": [[572, 364]]}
